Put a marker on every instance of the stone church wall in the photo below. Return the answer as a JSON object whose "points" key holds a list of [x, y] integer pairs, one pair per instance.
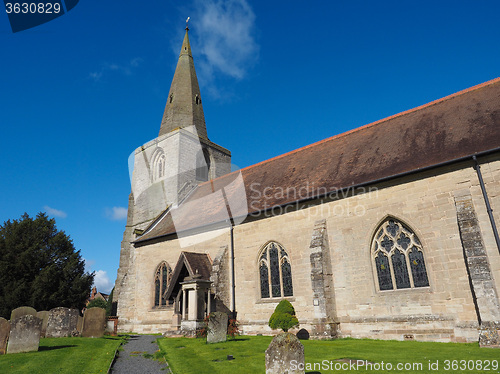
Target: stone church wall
{"points": [[444, 311]]}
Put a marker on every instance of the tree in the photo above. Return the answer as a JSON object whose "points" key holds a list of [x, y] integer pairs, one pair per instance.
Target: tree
{"points": [[283, 317], [97, 303], [39, 267], [111, 305]]}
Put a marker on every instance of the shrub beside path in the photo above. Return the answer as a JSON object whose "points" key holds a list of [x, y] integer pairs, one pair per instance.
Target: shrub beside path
{"points": [[132, 360]]}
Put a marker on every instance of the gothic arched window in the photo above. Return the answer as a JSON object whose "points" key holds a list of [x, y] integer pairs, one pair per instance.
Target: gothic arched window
{"points": [[398, 257], [159, 161], [275, 272], [163, 275]]}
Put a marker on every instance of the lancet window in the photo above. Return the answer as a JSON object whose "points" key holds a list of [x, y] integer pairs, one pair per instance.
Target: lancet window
{"points": [[163, 275], [159, 161]]}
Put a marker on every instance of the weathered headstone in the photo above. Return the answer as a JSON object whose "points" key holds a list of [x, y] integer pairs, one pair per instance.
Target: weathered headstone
{"points": [[303, 334], [4, 335], [285, 354], [22, 311], [24, 334], [217, 327], [62, 322], [94, 323], [79, 324], [44, 316]]}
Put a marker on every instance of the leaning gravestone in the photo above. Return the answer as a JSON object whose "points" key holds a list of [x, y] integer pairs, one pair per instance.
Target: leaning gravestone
{"points": [[44, 316], [22, 311], [24, 334], [4, 335], [285, 354], [94, 323], [79, 324], [217, 327], [62, 322]]}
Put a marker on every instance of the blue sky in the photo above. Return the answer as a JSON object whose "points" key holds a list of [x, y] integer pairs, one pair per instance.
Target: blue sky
{"points": [[80, 93]]}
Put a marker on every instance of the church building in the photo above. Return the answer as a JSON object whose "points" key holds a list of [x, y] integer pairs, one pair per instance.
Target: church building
{"points": [[387, 231]]}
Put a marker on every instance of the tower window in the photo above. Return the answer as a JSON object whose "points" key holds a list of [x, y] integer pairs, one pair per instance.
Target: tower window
{"points": [[197, 99], [398, 257], [275, 272], [171, 97], [159, 165]]}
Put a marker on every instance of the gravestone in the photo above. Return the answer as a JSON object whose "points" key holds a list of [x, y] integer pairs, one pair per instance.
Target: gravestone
{"points": [[24, 334], [217, 327], [303, 334], [22, 311], [4, 335], [62, 322], [44, 316], [94, 323], [285, 354], [79, 324]]}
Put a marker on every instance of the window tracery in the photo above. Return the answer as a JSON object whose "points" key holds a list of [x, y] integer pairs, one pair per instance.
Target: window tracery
{"points": [[398, 257], [275, 272], [162, 279]]}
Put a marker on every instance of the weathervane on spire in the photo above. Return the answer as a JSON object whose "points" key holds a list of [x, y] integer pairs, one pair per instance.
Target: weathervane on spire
{"points": [[187, 20]]}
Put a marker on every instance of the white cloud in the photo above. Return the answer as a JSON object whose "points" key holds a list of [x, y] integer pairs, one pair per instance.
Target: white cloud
{"points": [[125, 69], [102, 282], [55, 212], [88, 265], [117, 213], [225, 38]]}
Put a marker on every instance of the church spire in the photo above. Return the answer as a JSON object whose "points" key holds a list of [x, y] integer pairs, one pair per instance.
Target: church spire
{"points": [[184, 108]]}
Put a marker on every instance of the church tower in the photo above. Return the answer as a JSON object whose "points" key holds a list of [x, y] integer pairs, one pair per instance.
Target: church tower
{"points": [[168, 168]]}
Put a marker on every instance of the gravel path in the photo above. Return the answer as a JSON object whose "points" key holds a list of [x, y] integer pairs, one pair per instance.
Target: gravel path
{"points": [[131, 359]]}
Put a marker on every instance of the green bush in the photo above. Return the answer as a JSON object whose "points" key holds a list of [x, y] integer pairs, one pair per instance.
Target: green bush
{"points": [[97, 303], [283, 317]]}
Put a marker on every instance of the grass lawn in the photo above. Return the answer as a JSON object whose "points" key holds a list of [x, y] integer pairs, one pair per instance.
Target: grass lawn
{"points": [[64, 355], [194, 356]]}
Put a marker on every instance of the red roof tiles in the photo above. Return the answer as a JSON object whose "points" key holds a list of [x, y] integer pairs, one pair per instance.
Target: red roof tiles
{"points": [[456, 126]]}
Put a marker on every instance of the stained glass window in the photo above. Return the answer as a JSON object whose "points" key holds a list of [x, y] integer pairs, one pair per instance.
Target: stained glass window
{"points": [[157, 291], [400, 270], [418, 268], [398, 257], [286, 270], [275, 272], [383, 272], [264, 281], [162, 279]]}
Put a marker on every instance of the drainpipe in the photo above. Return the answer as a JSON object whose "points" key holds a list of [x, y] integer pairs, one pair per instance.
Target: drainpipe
{"points": [[487, 201], [233, 282]]}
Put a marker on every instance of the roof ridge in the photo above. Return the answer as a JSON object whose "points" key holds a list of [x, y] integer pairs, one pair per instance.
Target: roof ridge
{"points": [[369, 125]]}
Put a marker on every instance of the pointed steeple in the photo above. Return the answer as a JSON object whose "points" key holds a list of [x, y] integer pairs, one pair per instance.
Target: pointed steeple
{"points": [[184, 108]]}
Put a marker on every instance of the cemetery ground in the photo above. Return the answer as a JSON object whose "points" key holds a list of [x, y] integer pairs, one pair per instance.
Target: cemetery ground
{"points": [[195, 356], [64, 355], [189, 356]]}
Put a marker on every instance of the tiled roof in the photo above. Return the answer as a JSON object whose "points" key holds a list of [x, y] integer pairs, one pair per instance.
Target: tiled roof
{"points": [[197, 265], [456, 126]]}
